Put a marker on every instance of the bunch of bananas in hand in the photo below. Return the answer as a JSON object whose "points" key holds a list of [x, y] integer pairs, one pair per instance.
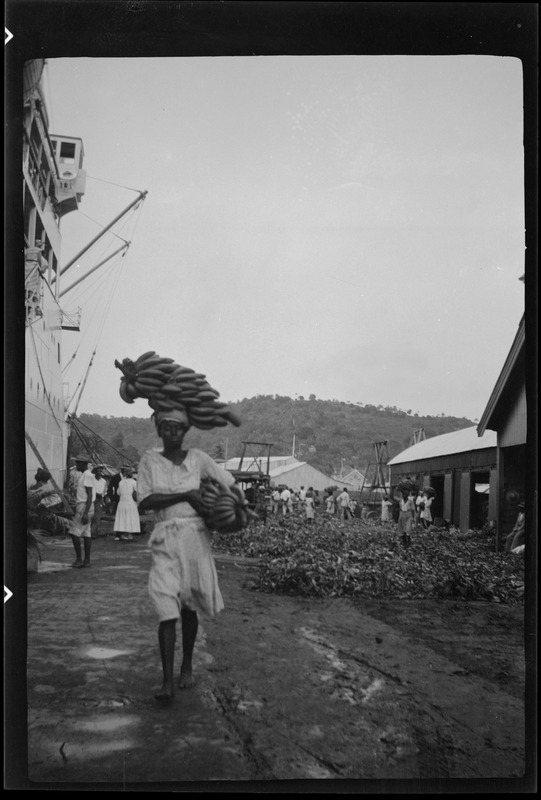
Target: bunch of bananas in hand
{"points": [[167, 385], [226, 508]]}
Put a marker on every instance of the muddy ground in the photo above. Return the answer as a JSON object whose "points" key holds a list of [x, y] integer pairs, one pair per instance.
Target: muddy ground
{"points": [[288, 689]]}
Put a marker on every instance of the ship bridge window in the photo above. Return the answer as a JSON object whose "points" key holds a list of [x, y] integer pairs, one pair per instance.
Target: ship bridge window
{"points": [[67, 152]]}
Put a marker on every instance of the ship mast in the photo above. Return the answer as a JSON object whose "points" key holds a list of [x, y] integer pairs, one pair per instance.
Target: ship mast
{"points": [[105, 260], [141, 196]]}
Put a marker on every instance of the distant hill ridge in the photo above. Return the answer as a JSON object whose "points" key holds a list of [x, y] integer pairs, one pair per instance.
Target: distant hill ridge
{"points": [[331, 435]]}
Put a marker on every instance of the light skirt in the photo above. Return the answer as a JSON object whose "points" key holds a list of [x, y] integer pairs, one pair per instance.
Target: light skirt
{"points": [[182, 572], [127, 517]]}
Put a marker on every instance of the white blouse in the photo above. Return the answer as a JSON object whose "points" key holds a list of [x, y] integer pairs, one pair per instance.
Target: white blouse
{"points": [[156, 474]]}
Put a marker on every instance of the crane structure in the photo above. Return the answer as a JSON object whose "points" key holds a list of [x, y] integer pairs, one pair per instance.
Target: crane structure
{"points": [[417, 436], [376, 482], [254, 468]]}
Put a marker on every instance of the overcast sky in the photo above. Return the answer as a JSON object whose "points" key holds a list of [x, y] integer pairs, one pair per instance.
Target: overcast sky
{"points": [[345, 226]]}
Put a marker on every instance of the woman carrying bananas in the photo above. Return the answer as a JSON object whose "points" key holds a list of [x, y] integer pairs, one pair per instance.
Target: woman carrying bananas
{"points": [[182, 580]]}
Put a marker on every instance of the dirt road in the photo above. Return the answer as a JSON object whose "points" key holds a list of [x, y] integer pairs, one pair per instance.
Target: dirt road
{"points": [[287, 688]]}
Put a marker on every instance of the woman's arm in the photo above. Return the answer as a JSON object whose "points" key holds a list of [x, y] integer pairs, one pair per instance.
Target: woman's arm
{"points": [[156, 501], [153, 502]]}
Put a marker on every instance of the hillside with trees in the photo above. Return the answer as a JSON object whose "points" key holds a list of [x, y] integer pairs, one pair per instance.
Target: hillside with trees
{"points": [[328, 434]]}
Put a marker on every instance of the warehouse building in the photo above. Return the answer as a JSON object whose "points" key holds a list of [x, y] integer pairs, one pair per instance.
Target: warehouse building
{"points": [[478, 473], [505, 414], [461, 467]]}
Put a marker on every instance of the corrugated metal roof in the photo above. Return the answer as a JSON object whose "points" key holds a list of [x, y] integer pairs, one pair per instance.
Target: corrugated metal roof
{"points": [[456, 442]]}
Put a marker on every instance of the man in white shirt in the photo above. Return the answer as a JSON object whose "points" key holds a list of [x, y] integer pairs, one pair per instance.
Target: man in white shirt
{"points": [[343, 505], [285, 497], [80, 526]]}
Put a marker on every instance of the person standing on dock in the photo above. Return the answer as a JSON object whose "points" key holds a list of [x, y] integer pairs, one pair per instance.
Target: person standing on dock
{"points": [[127, 521], [80, 525], [101, 488]]}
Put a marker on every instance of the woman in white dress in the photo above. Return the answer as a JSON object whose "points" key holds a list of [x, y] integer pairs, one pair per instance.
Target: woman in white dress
{"points": [[426, 513], [127, 520], [183, 580], [310, 507]]}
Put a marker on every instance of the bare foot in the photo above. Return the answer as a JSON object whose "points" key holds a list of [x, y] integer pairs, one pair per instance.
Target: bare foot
{"points": [[186, 680], [165, 695]]}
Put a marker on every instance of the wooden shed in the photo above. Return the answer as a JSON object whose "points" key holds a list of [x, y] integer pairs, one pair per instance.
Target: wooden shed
{"points": [[461, 467], [505, 414]]}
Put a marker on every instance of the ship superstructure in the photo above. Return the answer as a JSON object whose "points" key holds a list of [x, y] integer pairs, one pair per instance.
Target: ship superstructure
{"points": [[53, 186]]}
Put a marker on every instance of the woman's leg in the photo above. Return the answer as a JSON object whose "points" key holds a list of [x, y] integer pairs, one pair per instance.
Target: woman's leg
{"points": [[87, 545], [190, 624], [78, 553], [167, 634]]}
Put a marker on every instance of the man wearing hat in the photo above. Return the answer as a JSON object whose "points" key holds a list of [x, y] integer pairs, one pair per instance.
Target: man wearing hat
{"points": [[80, 526]]}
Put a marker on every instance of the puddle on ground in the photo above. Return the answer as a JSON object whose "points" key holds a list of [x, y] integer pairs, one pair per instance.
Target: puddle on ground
{"points": [[82, 752], [52, 566], [104, 652], [107, 723], [322, 648], [246, 705], [375, 687], [352, 693], [314, 771]]}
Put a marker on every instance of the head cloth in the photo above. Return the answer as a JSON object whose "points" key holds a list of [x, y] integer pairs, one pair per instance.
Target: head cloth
{"points": [[176, 415]]}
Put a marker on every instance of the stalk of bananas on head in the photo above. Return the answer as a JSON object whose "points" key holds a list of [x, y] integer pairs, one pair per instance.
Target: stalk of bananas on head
{"points": [[226, 508], [167, 385]]}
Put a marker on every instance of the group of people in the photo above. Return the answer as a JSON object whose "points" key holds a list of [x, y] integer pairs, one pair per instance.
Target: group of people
{"points": [[285, 501], [340, 503], [413, 510], [90, 489], [183, 580]]}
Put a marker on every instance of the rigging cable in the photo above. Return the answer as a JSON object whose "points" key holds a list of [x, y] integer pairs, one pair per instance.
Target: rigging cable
{"points": [[78, 421], [98, 290], [104, 318], [80, 386], [120, 186]]}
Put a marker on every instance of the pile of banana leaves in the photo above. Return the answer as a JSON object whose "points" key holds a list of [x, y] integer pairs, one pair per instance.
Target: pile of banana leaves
{"points": [[357, 558]]}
